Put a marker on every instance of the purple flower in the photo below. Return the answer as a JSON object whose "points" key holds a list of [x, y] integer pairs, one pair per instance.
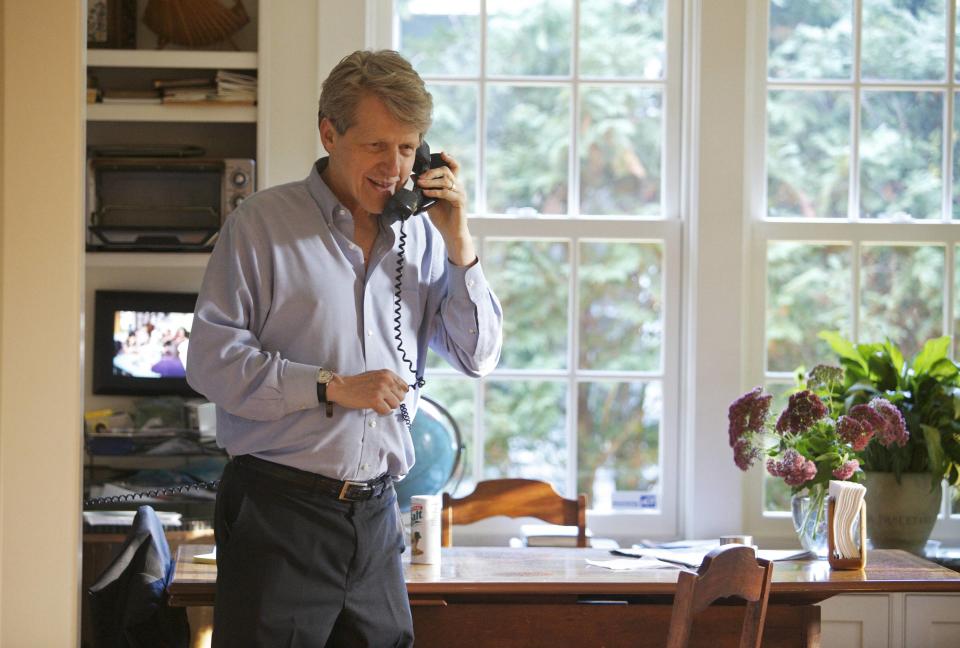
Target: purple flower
{"points": [[846, 471], [793, 467], [893, 430], [803, 410], [747, 415], [857, 431]]}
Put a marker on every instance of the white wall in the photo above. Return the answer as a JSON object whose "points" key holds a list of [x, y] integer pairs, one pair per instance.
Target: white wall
{"points": [[41, 257]]}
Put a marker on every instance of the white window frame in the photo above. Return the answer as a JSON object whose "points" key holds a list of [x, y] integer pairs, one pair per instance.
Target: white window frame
{"points": [[853, 231], [667, 230]]}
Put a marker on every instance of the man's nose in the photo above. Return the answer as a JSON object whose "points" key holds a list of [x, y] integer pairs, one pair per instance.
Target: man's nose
{"points": [[390, 162]]}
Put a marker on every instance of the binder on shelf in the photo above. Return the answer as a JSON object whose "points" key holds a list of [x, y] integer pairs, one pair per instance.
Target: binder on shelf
{"points": [[833, 554]]}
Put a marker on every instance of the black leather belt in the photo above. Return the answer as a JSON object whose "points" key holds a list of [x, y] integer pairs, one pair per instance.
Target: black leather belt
{"points": [[348, 491]]}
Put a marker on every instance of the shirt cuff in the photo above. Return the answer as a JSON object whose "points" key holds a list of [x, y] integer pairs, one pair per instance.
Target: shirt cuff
{"points": [[300, 386], [467, 279]]}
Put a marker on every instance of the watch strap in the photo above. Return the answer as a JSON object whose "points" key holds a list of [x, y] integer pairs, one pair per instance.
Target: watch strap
{"points": [[322, 398]]}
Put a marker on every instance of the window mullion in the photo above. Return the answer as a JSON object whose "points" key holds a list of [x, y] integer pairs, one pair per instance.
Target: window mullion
{"points": [[853, 208], [949, 102], [573, 362]]}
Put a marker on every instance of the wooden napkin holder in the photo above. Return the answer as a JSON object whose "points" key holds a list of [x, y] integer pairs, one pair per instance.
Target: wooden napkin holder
{"points": [[835, 561]]}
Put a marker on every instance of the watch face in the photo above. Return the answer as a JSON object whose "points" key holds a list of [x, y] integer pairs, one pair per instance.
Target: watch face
{"points": [[324, 376]]}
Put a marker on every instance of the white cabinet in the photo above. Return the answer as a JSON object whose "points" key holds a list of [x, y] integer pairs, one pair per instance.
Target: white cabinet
{"points": [[891, 621]]}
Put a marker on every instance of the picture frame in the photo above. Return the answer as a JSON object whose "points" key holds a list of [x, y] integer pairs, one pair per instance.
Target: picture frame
{"points": [[112, 24]]}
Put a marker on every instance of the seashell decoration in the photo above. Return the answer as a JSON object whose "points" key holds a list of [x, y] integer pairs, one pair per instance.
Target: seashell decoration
{"points": [[194, 23]]}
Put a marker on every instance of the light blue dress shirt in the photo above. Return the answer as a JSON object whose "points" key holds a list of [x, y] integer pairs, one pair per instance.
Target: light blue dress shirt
{"points": [[286, 291]]}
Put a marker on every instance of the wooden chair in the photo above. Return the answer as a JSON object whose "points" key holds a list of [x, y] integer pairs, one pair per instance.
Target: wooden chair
{"points": [[514, 498], [729, 570]]}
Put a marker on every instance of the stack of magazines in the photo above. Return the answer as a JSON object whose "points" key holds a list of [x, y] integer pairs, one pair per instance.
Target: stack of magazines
{"points": [[225, 87]]}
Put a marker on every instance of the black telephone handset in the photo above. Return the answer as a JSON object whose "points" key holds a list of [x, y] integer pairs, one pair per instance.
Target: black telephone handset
{"points": [[409, 199], [406, 202]]}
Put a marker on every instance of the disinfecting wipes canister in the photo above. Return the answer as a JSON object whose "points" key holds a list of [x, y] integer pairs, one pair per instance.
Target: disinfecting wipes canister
{"points": [[425, 529]]}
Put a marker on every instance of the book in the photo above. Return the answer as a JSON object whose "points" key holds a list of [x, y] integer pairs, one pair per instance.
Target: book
{"points": [[550, 535]]}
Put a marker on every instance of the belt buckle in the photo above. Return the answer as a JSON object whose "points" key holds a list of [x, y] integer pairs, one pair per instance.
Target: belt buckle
{"points": [[346, 487]]}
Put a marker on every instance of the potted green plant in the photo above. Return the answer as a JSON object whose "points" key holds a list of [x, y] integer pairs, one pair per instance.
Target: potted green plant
{"points": [[904, 480]]}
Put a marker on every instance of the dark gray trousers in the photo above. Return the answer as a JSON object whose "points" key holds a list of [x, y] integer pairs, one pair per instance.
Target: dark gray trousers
{"points": [[299, 569]]}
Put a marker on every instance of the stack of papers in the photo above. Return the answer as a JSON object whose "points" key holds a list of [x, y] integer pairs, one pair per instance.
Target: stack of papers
{"points": [[847, 498]]}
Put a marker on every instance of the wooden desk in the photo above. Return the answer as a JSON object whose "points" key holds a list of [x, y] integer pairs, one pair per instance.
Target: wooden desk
{"points": [[531, 597]]}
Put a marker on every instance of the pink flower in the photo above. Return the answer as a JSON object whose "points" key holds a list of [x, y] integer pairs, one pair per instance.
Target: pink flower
{"points": [[747, 416], [793, 467], [846, 471], [893, 430], [803, 410]]}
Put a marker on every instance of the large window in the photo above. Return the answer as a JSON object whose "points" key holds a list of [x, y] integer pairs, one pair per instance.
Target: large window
{"points": [[565, 118], [857, 228]]}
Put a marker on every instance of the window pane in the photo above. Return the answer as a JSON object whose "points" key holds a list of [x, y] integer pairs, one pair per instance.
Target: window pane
{"points": [[430, 30], [454, 130], [956, 302], [621, 305], [900, 154], [525, 427], [904, 39], [901, 295], [618, 437], [620, 38], [808, 153], [808, 291], [956, 159], [528, 143], [529, 37], [620, 146], [531, 279], [810, 39], [456, 396]]}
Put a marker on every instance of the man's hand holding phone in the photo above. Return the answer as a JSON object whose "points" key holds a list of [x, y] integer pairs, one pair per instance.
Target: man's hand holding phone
{"points": [[449, 213]]}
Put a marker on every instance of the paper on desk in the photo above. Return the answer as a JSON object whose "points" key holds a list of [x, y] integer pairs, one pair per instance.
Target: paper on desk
{"points": [[207, 558], [694, 558], [630, 564]]}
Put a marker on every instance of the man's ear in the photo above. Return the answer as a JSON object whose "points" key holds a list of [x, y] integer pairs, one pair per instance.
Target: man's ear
{"points": [[328, 134]]}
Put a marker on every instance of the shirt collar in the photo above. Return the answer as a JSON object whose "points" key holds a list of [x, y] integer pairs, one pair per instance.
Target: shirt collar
{"points": [[334, 213]]}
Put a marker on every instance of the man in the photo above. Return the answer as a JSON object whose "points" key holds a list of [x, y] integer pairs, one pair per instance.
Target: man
{"points": [[294, 340]]}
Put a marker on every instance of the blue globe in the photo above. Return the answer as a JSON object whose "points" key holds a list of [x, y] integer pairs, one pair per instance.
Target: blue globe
{"points": [[438, 447]]}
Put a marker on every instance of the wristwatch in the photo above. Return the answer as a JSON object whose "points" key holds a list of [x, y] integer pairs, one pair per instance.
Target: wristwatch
{"points": [[324, 376]]}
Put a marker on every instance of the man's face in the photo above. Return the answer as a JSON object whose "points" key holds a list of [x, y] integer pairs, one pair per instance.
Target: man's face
{"points": [[370, 161]]}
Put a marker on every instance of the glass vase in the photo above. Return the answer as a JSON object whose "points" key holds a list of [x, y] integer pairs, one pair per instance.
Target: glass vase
{"points": [[810, 522]]}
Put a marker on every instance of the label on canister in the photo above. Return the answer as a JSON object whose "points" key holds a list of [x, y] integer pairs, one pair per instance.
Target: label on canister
{"points": [[425, 529]]}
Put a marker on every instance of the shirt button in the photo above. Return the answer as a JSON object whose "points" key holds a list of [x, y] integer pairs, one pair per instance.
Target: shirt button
{"points": [[372, 424], [470, 283], [353, 246], [369, 332], [472, 331], [365, 466]]}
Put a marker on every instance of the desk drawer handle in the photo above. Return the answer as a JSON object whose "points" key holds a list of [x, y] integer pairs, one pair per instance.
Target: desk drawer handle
{"points": [[428, 603]]}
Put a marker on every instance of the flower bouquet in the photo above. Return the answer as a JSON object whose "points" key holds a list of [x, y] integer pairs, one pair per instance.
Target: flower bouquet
{"points": [[814, 439]]}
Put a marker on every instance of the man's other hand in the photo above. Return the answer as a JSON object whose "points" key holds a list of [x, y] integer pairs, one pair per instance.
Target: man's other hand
{"points": [[380, 390]]}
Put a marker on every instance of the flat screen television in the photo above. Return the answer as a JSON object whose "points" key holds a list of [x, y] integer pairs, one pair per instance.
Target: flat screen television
{"points": [[140, 342]]}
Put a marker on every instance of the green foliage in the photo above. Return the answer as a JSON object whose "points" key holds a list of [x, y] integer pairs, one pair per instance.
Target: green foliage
{"points": [[926, 390]]}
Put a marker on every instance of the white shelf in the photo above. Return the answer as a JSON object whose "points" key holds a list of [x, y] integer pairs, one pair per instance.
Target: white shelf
{"points": [[147, 259], [172, 59], [171, 113]]}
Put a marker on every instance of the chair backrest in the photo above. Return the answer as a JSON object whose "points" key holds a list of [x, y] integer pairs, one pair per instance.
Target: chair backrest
{"points": [[514, 498], [727, 571]]}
